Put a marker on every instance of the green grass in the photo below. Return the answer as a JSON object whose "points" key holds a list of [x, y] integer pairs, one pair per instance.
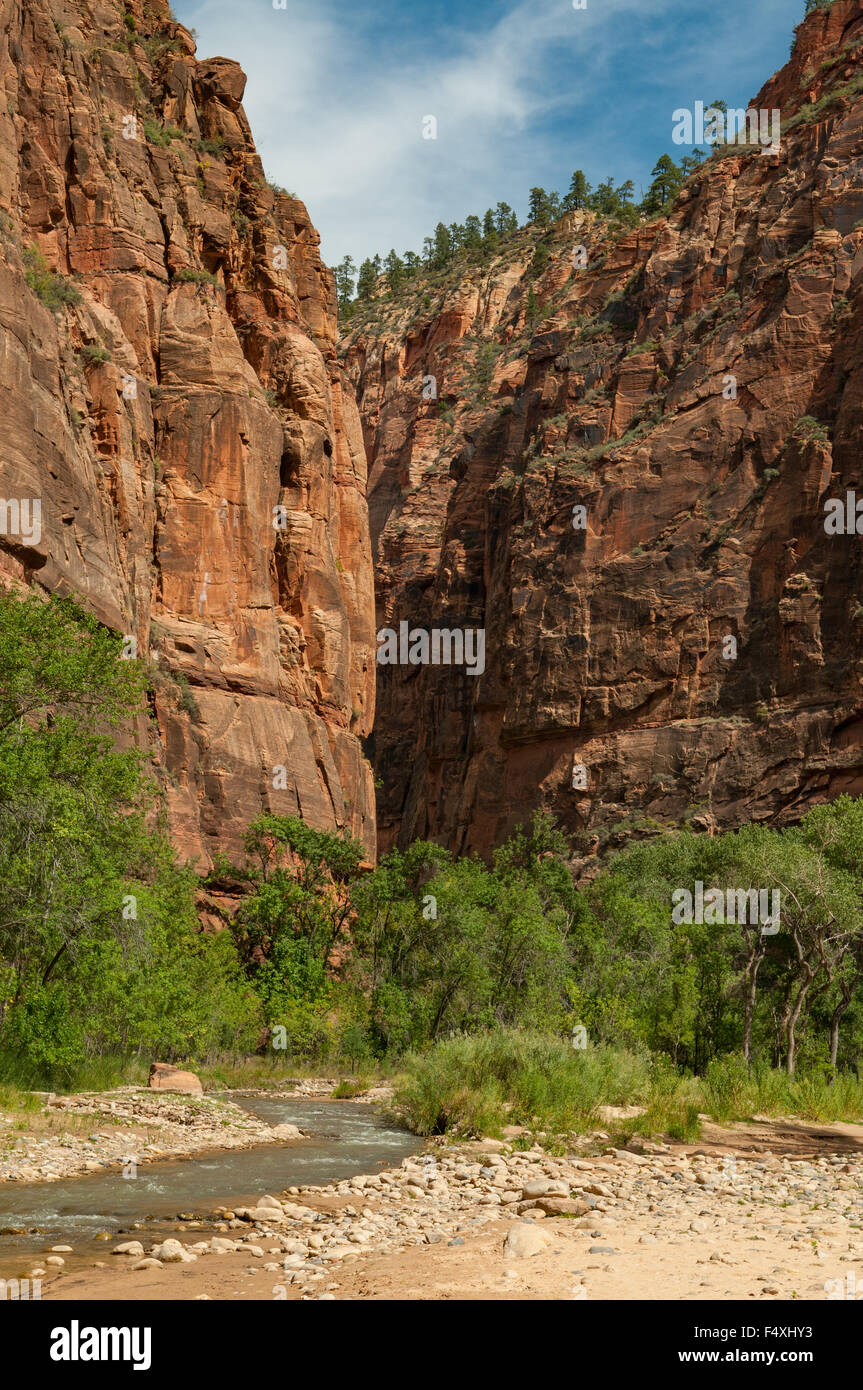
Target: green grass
{"points": [[346, 1090], [14, 1098], [274, 1070], [731, 1091], [89, 1074], [468, 1086], [475, 1085]]}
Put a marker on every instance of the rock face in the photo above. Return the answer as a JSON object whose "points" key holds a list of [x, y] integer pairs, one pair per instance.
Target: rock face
{"points": [[171, 395], [687, 648]]}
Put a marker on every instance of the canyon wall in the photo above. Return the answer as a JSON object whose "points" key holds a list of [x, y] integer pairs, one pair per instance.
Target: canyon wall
{"points": [[689, 648], [171, 394]]}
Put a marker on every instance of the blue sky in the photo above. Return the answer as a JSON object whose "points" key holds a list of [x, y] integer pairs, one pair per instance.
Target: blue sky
{"points": [[524, 91]]}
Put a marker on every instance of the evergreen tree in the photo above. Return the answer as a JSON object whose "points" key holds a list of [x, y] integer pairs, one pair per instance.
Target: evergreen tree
{"points": [[578, 196], [412, 263], [505, 219], [442, 246], [538, 205], [489, 230], [394, 267], [472, 239], [366, 280], [716, 106], [605, 200], [667, 180], [345, 273], [540, 258]]}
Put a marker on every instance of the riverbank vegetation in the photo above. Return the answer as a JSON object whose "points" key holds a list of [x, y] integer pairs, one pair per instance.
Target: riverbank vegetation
{"points": [[494, 993]]}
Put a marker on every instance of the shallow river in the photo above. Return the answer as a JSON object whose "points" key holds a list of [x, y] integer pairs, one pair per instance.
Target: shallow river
{"points": [[346, 1138]]}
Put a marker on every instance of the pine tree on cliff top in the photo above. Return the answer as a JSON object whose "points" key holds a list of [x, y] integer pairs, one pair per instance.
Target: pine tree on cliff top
{"points": [[579, 193], [667, 180]]}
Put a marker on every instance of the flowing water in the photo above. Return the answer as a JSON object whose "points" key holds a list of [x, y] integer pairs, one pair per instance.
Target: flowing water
{"points": [[345, 1138]]}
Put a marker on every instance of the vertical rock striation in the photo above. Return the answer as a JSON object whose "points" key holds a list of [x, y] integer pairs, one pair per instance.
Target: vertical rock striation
{"points": [[168, 380], [698, 390]]}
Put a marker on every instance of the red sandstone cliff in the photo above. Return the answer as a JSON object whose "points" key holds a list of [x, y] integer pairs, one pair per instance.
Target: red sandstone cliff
{"points": [[200, 283], [705, 514]]}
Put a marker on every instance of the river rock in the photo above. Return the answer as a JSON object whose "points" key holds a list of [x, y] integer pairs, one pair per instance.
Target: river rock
{"points": [[545, 1188], [562, 1206], [164, 1077], [524, 1240], [133, 1248], [172, 1252], [286, 1131]]}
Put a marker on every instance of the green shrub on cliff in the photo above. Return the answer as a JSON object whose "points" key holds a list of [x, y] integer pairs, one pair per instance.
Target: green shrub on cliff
{"points": [[52, 288]]}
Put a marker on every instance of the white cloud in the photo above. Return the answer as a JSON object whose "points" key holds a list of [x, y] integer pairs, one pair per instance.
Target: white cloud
{"points": [[337, 112]]}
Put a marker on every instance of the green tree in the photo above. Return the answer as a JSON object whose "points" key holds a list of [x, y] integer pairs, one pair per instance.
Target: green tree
{"points": [[539, 207], [395, 271], [667, 181], [505, 220], [540, 259], [443, 246], [91, 904], [472, 237], [578, 196], [293, 932], [690, 162], [345, 274], [489, 230], [367, 280], [605, 199]]}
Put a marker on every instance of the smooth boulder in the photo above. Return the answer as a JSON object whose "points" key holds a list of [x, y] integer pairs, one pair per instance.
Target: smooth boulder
{"points": [[164, 1077]]}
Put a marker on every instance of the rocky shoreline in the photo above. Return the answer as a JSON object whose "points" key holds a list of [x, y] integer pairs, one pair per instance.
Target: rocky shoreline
{"points": [[764, 1209], [489, 1220], [130, 1123]]}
